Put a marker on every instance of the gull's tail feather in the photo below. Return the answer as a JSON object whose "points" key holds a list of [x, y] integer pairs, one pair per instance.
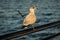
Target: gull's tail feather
{"points": [[20, 13]]}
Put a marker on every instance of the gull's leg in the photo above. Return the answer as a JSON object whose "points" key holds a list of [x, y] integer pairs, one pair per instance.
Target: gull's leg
{"points": [[33, 26]]}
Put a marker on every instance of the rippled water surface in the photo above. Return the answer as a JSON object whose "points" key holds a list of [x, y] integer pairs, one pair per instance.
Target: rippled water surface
{"points": [[10, 21]]}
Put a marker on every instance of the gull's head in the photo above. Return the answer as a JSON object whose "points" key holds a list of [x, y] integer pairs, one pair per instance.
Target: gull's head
{"points": [[32, 9]]}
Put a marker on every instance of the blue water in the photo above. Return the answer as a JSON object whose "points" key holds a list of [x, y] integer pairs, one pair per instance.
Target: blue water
{"points": [[10, 21]]}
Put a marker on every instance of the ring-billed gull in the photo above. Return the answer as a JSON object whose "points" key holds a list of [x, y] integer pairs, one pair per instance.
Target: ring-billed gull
{"points": [[30, 19]]}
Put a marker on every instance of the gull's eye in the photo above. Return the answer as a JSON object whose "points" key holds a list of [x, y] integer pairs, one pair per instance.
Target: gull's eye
{"points": [[33, 7]]}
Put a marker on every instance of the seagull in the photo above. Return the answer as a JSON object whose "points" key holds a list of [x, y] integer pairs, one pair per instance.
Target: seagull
{"points": [[30, 19]]}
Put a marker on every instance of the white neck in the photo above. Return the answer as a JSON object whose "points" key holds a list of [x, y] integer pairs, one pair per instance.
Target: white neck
{"points": [[32, 12]]}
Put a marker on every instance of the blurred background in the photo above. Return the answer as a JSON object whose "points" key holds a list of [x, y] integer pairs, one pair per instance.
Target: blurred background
{"points": [[11, 21]]}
